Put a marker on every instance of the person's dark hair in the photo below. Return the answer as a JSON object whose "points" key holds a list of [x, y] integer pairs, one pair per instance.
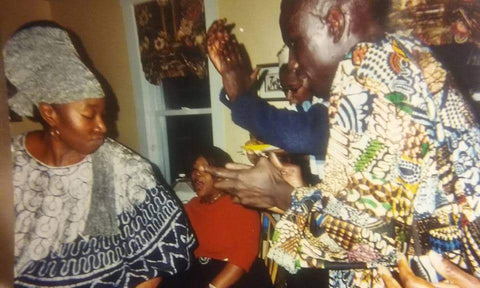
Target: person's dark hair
{"points": [[380, 11], [214, 156], [283, 69], [364, 14], [39, 23], [377, 10]]}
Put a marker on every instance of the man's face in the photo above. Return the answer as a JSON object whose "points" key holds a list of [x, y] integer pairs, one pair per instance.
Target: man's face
{"points": [[307, 31], [296, 89]]}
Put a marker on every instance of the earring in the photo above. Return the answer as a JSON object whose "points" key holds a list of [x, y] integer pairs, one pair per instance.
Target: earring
{"points": [[54, 133]]}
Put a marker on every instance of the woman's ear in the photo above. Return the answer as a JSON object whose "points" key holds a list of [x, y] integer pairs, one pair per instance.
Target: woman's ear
{"points": [[336, 23], [48, 114]]}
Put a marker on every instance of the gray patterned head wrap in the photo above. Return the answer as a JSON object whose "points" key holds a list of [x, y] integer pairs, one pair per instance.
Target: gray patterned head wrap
{"points": [[44, 66]]}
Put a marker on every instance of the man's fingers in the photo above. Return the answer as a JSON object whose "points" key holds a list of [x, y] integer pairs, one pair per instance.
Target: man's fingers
{"points": [[235, 199], [238, 166], [274, 160], [220, 172], [230, 186], [276, 210], [407, 277], [404, 269], [445, 285], [387, 277], [451, 272]]}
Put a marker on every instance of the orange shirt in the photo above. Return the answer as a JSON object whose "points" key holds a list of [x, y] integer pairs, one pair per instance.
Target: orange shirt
{"points": [[225, 230]]}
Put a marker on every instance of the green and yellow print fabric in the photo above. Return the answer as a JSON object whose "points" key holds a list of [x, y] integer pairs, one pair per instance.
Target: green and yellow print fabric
{"points": [[402, 171]]}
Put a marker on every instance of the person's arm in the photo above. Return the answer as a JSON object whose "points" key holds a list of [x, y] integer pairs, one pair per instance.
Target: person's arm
{"points": [[226, 56], [230, 274], [453, 274], [152, 283], [260, 186], [295, 132]]}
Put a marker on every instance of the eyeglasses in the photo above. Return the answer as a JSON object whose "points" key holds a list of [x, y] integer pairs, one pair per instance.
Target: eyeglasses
{"points": [[291, 90]]}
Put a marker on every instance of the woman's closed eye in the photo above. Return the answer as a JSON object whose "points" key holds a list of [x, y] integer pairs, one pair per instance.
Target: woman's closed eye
{"points": [[89, 116]]}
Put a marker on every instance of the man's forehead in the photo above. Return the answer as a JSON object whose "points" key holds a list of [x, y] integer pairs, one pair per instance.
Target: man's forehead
{"points": [[293, 11], [321, 7], [317, 7]]}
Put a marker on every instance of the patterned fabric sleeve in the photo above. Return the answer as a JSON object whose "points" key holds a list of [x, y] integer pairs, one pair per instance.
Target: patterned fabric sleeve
{"points": [[402, 171]]}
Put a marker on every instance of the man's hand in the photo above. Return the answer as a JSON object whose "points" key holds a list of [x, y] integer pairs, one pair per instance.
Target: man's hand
{"points": [[226, 55], [260, 186], [290, 172], [455, 277]]}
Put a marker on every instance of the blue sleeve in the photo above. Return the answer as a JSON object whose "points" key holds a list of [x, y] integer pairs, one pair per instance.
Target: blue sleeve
{"points": [[295, 132]]}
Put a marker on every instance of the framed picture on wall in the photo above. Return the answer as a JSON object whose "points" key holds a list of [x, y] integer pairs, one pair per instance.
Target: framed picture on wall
{"points": [[270, 86]]}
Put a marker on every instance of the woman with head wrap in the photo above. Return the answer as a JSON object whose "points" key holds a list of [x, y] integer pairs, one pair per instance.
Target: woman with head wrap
{"points": [[89, 211]]}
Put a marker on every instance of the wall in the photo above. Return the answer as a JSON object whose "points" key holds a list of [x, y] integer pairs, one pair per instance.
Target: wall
{"points": [[260, 33], [6, 195], [99, 24], [13, 14]]}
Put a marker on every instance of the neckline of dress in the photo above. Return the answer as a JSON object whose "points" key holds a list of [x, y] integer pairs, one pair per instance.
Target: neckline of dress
{"points": [[24, 147], [214, 200]]}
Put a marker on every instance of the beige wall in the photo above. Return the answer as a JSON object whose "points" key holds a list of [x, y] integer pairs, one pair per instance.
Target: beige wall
{"points": [[260, 33], [13, 14], [99, 24], [6, 195]]}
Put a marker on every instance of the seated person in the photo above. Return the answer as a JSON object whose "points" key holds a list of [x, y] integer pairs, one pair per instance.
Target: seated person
{"points": [[89, 211], [228, 233]]}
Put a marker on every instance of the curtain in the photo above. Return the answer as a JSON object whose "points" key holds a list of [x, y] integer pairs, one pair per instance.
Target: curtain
{"points": [[172, 39], [438, 22]]}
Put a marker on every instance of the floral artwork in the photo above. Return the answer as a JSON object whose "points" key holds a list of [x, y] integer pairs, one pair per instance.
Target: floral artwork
{"points": [[438, 22], [172, 38]]}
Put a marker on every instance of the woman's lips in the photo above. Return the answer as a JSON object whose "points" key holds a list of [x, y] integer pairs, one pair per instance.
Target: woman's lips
{"points": [[198, 185], [98, 139]]}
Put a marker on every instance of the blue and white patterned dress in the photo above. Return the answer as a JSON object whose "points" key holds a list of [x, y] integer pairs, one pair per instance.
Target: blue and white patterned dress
{"points": [[52, 206]]}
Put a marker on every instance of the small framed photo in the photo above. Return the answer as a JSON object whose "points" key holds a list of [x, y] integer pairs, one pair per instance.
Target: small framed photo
{"points": [[270, 88]]}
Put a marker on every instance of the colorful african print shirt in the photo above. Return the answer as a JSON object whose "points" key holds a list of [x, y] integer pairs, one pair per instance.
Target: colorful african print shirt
{"points": [[52, 206], [402, 172]]}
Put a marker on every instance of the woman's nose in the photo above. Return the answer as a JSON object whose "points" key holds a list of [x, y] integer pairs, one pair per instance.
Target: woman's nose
{"points": [[100, 125]]}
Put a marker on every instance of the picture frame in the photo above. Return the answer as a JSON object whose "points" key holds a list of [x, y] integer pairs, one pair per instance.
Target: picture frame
{"points": [[270, 87]]}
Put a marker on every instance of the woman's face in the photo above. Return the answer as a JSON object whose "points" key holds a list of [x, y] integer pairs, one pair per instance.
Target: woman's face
{"points": [[80, 125], [202, 181]]}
